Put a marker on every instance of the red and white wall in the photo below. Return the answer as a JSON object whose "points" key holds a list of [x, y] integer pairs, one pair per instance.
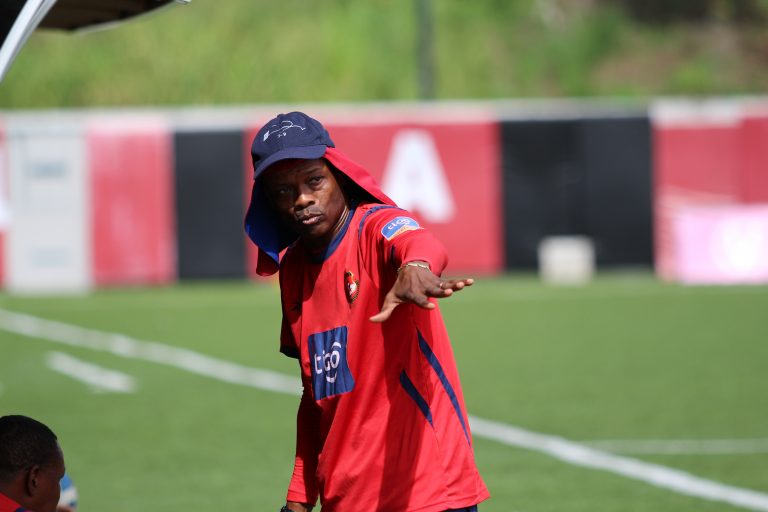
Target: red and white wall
{"points": [[90, 199], [89, 203]]}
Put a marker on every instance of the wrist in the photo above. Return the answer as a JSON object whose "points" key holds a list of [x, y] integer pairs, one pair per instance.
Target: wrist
{"points": [[294, 506], [417, 264]]}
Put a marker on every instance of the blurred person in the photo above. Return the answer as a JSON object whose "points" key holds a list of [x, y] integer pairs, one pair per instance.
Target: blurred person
{"points": [[69, 497], [381, 424], [31, 466]]}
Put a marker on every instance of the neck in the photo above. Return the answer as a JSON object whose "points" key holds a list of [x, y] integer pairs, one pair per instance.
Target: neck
{"points": [[319, 245]]}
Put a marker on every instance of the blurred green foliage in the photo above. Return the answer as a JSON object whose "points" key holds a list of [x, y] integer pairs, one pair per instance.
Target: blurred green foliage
{"points": [[253, 51]]}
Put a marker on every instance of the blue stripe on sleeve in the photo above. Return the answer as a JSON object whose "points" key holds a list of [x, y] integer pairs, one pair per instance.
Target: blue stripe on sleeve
{"points": [[369, 212], [433, 361], [414, 393]]}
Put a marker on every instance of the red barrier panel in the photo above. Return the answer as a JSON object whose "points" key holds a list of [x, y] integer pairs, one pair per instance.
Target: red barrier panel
{"points": [[704, 158], [132, 230], [446, 174], [754, 134], [699, 160]]}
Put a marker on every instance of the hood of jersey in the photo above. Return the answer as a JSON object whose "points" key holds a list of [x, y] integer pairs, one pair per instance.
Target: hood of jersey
{"points": [[264, 227]]}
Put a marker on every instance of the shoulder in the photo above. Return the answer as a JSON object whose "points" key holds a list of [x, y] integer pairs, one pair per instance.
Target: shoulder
{"points": [[386, 223], [383, 220]]}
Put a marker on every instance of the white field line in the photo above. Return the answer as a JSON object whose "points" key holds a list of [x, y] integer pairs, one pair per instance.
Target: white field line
{"points": [[125, 346], [98, 378], [681, 446], [557, 447], [654, 474]]}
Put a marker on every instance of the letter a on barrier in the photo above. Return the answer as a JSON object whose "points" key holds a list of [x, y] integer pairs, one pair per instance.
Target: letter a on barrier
{"points": [[415, 178]]}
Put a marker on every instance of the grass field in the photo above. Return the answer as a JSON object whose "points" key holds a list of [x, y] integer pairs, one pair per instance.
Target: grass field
{"points": [[625, 358]]}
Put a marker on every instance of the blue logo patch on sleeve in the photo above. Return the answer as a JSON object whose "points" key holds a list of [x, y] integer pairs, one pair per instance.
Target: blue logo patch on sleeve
{"points": [[398, 226], [328, 357]]}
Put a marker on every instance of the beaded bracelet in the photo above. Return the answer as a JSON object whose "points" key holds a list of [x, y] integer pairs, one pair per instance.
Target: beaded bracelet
{"points": [[414, 264]]}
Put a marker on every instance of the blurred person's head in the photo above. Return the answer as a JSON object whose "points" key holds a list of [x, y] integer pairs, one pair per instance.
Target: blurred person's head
{"points": [[31, 463]]}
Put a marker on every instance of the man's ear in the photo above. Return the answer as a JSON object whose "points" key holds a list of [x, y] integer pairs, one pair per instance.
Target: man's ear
{"points": [[32, 482]]}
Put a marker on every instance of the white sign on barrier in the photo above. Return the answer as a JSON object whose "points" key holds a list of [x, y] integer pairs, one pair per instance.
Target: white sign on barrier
{"points": [[47, 248]]}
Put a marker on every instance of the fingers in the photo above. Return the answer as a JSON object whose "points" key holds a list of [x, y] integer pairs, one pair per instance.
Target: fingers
{"points": [[452, 285], [418, 291], [383, 315], [391, 302]]}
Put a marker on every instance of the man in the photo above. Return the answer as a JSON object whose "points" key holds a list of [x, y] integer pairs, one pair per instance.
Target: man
{"points": [[381, 424], [31, 466]]}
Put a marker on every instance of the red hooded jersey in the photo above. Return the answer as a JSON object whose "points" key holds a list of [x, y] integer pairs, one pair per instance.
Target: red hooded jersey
{"points": [[381, 424]]}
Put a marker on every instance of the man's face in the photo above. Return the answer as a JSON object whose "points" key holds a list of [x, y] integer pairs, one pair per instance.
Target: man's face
{"points": [[47, 489], [308, 198]]}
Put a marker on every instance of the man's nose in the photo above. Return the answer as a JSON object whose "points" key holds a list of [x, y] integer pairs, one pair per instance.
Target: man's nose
{"points": [[304, 198]]}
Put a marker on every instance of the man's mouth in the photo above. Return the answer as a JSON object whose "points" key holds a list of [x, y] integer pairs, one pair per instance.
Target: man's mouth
{"points": [[310, 220]]}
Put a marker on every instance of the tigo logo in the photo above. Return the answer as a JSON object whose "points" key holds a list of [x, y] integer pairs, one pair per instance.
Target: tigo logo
{"points": [[328, 356], [397, 226]]}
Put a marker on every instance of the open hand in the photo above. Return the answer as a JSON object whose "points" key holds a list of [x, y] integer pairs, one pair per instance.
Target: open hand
{"points": [[416, 284]]}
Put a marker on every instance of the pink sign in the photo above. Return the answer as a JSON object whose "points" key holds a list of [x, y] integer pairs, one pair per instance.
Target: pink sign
{"points": [[721, 244]]}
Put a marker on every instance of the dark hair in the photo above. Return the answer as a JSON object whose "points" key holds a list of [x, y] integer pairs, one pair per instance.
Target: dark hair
{"points": [[24, 443]]}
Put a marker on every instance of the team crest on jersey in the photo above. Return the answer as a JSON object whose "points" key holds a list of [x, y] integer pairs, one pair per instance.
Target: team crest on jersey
{"points": [[398, 226], [328, 360], [351, 286]]}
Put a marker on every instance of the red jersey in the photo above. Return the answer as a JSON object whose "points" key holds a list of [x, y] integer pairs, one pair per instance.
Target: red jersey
{"points": [[8, 505], [381, 424]]}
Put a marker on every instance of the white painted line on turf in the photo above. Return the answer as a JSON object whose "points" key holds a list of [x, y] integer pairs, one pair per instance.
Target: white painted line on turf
{"points": [[98, 378], [654, 474], [682, 446], [557, 447], [128, 347]]}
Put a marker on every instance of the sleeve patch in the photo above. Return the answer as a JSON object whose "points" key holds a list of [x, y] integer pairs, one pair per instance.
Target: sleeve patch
{"points": [[398, 226]]}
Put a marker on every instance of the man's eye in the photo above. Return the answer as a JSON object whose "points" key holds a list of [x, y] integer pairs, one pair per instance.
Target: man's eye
{"points": [[314, 180], [282, 191]]}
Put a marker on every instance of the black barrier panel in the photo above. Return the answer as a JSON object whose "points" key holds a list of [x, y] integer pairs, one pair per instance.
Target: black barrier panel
{"points": [[544, 186], [209, 204], [587, 177], [617, 156]]}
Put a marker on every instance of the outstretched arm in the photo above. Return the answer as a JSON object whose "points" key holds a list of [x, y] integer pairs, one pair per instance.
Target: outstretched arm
{"points": [[417, 284]]}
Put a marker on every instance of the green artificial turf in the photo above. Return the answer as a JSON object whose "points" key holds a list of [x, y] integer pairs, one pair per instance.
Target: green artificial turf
{"points": [[622, 358]]}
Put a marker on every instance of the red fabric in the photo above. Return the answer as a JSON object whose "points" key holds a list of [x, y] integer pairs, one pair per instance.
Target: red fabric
{"points": [[357, 173], [8, 505], [372, 447]]}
